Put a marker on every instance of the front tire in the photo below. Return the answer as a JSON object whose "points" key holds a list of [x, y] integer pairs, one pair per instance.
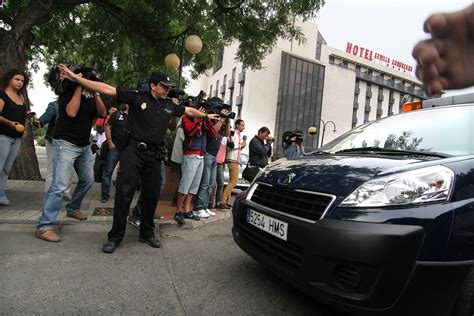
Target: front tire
{"points": [[465, 302]]}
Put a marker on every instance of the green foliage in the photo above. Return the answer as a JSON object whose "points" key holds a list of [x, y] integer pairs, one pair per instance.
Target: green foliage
{"points": [[125, 40], [41, 141], [39, 134], [403, 142]]}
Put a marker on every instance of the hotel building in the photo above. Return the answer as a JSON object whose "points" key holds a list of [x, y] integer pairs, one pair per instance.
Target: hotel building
{"points": [[312, 84]]}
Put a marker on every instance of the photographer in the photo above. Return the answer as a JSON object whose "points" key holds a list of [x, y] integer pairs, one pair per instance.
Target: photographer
{"points": [[116, 132], [150, 114], [78, 107], [293, 145], [260, 148], [196, 132], [49, 117], [208, 178]]}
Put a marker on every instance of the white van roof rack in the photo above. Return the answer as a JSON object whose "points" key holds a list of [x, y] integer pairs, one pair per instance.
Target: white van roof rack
{"points": [[451, 100]]}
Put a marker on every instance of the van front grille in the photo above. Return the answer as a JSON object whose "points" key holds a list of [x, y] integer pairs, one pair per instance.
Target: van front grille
{"points": [[304, 204]]}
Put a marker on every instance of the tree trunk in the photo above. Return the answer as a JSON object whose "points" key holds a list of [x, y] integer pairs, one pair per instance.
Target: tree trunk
{"points": [[26, 163]]}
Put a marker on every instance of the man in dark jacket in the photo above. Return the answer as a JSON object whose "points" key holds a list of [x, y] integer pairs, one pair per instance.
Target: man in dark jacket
{"points": [[260, 148]]}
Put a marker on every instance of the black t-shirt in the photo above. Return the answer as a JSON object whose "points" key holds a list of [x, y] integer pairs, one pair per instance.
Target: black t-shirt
{"points": [[148, 118], [13, 112], [118, 123], [75, 130]]}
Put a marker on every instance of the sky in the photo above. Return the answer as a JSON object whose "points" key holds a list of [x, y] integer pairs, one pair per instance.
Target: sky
{"points": [[391, 28]]}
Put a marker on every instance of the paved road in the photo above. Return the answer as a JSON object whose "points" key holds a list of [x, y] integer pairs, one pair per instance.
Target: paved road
{"points": [[196, 272]]}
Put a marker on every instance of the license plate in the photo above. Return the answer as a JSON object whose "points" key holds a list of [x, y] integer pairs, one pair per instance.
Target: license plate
{"points": [[268, 224]]}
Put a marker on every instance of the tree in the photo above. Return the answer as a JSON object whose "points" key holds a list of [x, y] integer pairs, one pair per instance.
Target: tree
{"points": [[124, 40], [403, 142]]}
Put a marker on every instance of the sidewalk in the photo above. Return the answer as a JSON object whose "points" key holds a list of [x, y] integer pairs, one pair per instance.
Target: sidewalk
{"points": [[27, 199]]}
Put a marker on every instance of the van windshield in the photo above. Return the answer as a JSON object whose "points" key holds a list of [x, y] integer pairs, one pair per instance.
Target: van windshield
{"points": [[444, 130]]}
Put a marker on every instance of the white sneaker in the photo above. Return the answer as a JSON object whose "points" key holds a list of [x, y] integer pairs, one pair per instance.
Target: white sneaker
{"points": [[202, 214], [209, 212]]}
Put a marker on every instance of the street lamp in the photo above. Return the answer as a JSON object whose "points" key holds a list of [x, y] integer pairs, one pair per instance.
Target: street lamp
{"points": [[193, 45], [324, 129]]}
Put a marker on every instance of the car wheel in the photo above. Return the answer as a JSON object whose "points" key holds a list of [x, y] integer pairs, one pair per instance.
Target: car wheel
{"points": [[465, 303]]}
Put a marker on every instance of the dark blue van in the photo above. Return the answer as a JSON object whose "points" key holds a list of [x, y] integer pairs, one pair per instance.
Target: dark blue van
{"points": [[379, 219]]}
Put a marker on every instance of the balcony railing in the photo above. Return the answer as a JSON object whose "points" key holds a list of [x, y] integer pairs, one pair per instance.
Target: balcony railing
{"points": [[239, 100], [231, 84], [241, 77]]}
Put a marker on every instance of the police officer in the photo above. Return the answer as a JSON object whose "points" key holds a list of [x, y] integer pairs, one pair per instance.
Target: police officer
{"points": [[150, 114]]}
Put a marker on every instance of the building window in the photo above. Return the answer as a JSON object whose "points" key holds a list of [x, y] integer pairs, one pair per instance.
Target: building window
{"points": [[332, 60], [319, 43], [367, 108], [218, 61], [357, 69], [391, 100], [233, 73], [379, 103], [400, 103], [217, 88], [299, 99], [224, 82], [210, 91]]}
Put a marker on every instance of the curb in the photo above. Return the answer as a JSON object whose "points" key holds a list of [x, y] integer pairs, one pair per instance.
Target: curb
{"points": [[28, 196], [107, 220]]}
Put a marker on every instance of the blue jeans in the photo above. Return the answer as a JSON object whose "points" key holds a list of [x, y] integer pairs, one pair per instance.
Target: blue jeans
{"points": [[137, 210], [208, 180], [220, 182], [66, 155], [113, 156], [9, 148]]}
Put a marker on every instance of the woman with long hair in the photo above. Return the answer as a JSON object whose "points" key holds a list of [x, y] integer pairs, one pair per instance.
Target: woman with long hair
{"points": [[12, 123]]}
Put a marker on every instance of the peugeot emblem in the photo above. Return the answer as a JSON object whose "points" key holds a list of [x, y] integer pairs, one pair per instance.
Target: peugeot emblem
{"points": [[289, 178]]}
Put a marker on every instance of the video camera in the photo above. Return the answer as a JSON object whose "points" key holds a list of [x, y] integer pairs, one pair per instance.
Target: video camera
{"points": [[175, 93], [288, 135], [172, 94], [213, 105], [62, 85]]}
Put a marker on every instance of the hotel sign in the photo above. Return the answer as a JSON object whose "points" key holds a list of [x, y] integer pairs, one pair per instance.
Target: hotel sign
{"points": [[368, 54]]}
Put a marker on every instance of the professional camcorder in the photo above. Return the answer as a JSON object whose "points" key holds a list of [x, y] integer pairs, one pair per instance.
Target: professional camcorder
{"points": [[62, 85], [214, 105], [172, 94], [175, 93], [289, 135]]}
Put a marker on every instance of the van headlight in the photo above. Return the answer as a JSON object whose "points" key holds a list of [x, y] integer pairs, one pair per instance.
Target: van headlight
{"points": [[411, 187]]}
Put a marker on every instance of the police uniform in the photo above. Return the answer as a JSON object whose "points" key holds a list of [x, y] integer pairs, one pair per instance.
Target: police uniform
{"points": [[148, 120]]}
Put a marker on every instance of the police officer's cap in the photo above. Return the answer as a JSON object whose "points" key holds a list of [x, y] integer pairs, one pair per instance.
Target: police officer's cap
{"points": [[159, 77]]}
